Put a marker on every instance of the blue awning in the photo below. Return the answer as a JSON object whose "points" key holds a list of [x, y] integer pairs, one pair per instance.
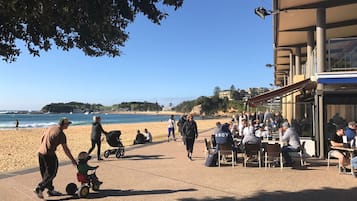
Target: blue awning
{"points": [[346, 77], [350, 80]]}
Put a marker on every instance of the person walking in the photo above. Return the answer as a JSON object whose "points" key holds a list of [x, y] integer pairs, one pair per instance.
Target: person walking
{"points": [[17, 124], [48, 161], [96, 133], [190, 131], [171, 128], [180, 123]]}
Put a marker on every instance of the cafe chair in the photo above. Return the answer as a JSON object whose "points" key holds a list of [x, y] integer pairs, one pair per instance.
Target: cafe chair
{"points": [[251, 150], [330, 151], [209, 148], [273, 155], [300, 154], [225, 150]]}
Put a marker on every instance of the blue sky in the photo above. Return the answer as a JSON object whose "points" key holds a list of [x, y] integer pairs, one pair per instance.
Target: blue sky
{"points": [[204, 44]]}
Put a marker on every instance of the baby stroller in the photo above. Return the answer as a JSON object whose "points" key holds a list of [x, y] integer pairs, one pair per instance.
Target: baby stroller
{"points": [[113, 139]]}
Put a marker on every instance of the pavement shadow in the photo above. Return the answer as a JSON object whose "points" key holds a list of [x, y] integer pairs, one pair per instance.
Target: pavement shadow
{"points": [[325, 194], [145, 157], [120, 193]]}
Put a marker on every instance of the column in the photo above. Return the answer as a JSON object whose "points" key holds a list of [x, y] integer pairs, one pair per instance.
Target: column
{"points": [[309, 49], [321, 61]]}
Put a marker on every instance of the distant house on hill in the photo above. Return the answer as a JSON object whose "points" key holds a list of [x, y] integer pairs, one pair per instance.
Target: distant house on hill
{"points": [[225, 94]]}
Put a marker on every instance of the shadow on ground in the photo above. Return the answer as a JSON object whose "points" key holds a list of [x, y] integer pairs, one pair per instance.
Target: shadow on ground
{"points": [[326, 194], [130, 192], [145, 157]]}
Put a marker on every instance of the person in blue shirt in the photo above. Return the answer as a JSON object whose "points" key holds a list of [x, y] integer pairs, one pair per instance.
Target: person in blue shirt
{"points": [[223, 135], [350, 130]]}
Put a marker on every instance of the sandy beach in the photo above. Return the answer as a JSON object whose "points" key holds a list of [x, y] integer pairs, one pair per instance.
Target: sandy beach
{"points": [[19, 147]]}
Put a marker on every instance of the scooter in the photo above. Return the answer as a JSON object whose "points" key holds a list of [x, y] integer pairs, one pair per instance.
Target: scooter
{"points": [[91, 181]]}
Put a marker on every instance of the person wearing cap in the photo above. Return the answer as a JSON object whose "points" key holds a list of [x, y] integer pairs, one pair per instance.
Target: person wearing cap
{"points": [[350, 131], [96, 134], [336, 140], [48, 161], [291, 137]]}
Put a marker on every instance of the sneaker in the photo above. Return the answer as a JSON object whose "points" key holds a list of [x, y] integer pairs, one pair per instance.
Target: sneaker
{"points": [[100, 159], [53, 193], [38, 192]]}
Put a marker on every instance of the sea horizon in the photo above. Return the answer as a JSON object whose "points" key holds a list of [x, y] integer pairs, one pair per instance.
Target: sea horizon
{"points": [[39, 120]]}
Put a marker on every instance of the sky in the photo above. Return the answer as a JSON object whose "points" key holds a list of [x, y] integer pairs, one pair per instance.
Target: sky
{"points": [[203, 45]]}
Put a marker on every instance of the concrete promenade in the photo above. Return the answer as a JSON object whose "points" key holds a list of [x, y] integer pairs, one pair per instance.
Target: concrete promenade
{"points": [[162, 172]]}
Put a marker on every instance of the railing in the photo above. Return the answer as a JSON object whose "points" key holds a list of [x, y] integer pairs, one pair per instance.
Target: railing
{"points": [[342, 54]]}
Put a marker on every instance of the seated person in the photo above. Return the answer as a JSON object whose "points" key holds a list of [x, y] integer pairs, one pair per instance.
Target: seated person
{"points": [[261, 132], [223, 135], [83, 167], [350, 131], [337, 141], [249, 138], [148, 136], [291, 137], [140, 138]]}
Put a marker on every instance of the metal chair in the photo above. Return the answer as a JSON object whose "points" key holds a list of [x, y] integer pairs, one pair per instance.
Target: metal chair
{"points": [[252, 150], [329, 155], [272, 152], [300, 154], [224, 150], [209, 148]]}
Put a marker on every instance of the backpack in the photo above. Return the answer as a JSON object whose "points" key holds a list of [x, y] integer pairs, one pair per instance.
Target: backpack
{"points": [[211, 160]]}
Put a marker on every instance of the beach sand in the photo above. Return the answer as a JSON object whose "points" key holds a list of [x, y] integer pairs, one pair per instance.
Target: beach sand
{"points": [[18, 148]]}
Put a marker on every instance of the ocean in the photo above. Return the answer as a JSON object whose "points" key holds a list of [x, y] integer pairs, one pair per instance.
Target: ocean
{"points": [[8, 121]]}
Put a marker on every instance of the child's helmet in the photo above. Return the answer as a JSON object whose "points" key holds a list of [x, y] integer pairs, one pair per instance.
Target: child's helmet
{"points": [[83, 155]]}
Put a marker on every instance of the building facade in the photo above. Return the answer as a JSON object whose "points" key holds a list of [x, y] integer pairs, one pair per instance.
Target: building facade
{"points": [[315, 65]]}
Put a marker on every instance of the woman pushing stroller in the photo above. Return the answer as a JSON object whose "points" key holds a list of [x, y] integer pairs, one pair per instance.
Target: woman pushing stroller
{"points": [[96, 132]]}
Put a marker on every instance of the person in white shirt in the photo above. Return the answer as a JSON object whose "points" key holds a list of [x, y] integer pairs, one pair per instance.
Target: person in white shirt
{"points": [[171, 128], [290, 136], [261, 132], [148, 136]]}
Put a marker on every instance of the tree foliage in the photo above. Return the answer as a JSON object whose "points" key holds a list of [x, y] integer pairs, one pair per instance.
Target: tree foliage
{"points": [[216, 91], [97, 27], [209, 105], [70, 107], [138, 106]]}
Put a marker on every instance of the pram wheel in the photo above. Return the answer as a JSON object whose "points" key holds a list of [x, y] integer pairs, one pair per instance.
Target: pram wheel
{"points": [[120, 152], [106, 154]]}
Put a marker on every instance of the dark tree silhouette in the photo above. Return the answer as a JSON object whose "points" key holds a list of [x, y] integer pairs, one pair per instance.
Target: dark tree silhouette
{"points": [[97, 27]]}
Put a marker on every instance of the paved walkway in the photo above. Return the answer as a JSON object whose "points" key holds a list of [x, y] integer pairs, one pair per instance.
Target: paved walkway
{"points": [[161, 172]]}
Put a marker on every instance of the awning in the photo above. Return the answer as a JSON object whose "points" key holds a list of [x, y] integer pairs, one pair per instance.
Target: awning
{"points": [[337, 78], [304, 84]]}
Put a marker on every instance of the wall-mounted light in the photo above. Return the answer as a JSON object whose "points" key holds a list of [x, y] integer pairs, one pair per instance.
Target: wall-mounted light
{"points": [[262, 12]]}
